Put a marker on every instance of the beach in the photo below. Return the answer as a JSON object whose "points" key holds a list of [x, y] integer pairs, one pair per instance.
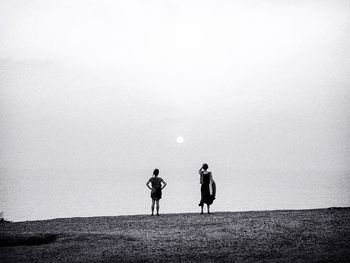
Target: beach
{"points": [[274, 236]]}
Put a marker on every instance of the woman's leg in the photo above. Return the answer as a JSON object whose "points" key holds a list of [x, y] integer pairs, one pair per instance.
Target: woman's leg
{"points": [[157, 206], [202, 208], [208, 207], [152, 207]]}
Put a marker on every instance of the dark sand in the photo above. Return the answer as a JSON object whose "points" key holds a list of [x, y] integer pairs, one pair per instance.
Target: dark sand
{"points": [[274, 236]]}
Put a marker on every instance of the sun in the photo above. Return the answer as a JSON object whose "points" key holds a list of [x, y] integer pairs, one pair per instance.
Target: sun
{"points": [[180, 139]]}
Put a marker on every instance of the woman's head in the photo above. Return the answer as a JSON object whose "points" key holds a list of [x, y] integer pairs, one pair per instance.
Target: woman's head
{"points": [[205, 166], [155, 172]]}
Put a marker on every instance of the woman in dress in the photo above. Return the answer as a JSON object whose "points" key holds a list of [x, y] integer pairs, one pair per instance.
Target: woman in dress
{"points": [[208, 187], [158, 185]]}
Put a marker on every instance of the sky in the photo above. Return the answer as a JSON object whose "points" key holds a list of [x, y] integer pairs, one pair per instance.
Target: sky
{"points": [[94, 95]]}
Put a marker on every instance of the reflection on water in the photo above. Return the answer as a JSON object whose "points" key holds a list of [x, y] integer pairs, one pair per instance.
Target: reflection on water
{"points": [[33, 195]]}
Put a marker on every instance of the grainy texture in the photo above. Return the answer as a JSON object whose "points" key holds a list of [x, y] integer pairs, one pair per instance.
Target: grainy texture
{"points": [[274, 236]]}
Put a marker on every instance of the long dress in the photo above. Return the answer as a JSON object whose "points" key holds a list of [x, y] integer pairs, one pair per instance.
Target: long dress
{"points": [[156, 192], [207, 197]]}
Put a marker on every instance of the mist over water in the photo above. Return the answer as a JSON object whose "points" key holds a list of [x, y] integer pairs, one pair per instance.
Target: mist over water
{"points": [[32, 196], [94, 95]]}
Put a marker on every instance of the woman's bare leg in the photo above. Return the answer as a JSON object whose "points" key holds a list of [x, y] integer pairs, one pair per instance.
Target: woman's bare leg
{"points": [[202, 209], [157, 206], [208, 207], [152, 207]]}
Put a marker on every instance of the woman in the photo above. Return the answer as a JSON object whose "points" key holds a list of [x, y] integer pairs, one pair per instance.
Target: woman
{"points": [[208, 188], [156, 189]]}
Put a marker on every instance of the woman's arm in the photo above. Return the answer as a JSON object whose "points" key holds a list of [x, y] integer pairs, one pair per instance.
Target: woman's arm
{"points": [[201, 175], [211, 178], [150, 188], [164, 184]]}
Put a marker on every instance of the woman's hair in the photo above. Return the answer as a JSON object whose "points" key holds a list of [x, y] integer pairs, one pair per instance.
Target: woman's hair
{"points": [[205, 166], [156, 172]]}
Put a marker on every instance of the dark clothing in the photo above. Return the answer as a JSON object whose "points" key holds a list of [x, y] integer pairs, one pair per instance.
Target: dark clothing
{"points": [[156, 192], [206, 196]]}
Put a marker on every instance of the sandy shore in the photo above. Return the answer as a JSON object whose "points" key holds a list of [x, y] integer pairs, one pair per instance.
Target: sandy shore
{"points": [[299, 235]]}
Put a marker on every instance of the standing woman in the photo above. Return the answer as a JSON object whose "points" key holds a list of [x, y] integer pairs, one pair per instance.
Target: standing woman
{"points": [[208, 187], [156, 189]]}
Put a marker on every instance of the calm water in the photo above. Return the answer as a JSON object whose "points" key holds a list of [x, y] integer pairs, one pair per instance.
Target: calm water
{"points": [[30, 195]]}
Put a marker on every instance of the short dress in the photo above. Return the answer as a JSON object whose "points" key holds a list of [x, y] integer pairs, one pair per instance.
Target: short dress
{"points": [[156, 192], [206, 196]]}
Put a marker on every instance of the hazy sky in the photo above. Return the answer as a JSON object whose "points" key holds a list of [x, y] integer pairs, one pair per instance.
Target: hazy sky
{"points": [[94, 86]]}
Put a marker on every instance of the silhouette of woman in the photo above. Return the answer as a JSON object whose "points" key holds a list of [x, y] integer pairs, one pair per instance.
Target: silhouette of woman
{"points": [[156, 189], [208, 187]]}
